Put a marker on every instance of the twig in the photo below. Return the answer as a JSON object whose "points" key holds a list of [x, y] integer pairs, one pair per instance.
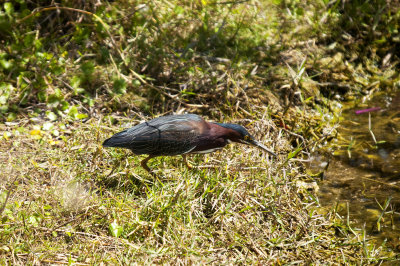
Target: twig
{"points": [[370, 128], [2, 208]]}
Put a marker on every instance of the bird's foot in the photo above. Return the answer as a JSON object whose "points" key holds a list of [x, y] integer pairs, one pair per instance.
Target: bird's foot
{"points": [[145, 167], [188, 165]]}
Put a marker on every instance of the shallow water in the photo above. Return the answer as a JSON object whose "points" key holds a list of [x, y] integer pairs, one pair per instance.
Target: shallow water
{"points": [[364, 173]]}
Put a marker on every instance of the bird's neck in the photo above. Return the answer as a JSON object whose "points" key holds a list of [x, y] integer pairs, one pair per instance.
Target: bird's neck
{"points": [[226, 131]]}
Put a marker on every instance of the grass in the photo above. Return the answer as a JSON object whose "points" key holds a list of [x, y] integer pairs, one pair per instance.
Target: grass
{"points": [[71, 201], [280, 68]]}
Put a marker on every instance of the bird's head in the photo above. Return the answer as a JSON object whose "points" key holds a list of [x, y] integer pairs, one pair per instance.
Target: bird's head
{"points": [[240, 134]]}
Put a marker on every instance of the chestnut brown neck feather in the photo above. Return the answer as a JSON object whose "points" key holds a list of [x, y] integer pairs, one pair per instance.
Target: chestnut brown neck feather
{"points": [[227, 131]]}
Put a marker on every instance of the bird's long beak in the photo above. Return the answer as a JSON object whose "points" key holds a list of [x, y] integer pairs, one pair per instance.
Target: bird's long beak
{"points": [[261, 146]]}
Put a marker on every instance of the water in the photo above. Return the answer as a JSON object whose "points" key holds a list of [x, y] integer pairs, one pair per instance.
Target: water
{"points": [[364, 173]]}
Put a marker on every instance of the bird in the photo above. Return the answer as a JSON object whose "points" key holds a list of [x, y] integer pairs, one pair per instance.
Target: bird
{"points": [[184, 134]]}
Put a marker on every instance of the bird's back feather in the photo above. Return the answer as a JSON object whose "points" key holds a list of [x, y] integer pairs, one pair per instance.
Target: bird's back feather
{"points": [[167, 135]]}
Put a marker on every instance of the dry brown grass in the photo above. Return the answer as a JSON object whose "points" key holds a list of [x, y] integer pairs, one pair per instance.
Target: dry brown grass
{"points": [[67, 197], [271, 67]]}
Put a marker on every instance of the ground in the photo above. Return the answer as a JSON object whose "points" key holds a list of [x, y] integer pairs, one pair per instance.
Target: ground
{"points": [[276, 67]]}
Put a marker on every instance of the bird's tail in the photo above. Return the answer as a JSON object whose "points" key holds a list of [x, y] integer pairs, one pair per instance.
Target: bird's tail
{"points": [[121, 139]]}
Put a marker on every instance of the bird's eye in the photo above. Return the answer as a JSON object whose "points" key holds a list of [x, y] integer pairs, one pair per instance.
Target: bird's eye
{"points": [[246, 137]]}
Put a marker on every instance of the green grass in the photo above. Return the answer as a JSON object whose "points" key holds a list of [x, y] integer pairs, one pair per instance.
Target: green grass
{"points": [[75, 202], [280, 68]]}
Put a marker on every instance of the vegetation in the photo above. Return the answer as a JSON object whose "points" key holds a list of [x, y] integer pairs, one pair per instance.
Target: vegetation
{"points": [[73, 73]]}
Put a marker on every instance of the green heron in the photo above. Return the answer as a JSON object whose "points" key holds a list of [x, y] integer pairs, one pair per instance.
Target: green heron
{"points": [[179, 135]]}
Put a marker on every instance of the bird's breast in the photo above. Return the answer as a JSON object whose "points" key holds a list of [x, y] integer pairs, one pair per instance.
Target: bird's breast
{"points": [[207, 145]]}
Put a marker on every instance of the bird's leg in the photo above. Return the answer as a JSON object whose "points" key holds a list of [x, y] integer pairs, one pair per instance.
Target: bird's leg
{"points": [[143, 163], [188, 165]]}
